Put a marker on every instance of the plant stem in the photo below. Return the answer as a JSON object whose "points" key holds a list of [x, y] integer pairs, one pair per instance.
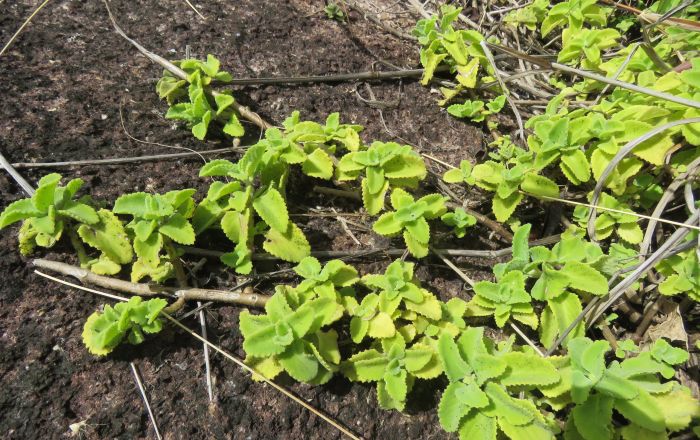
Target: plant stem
{"points": [[338, 192], [390, 252], [340, 77], [481, 218], [180, 274], [121, 160], [244, 296], [77, 245], [85, 276]]}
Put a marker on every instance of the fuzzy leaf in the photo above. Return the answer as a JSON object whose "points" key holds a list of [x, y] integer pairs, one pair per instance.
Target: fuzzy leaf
{"points": [[642, 411], [79, 212], [515, 412], [678, 408], [575, 167], [45, 193], [451, 409], [104, 331], [395, 384], [584, 277], [528, 369], [318, 164], [365, 366], [108, 236], [593, 418], [387, 224], [179, 229], [503, 208], [301, 365], [453, 364], [381, 326], [373, 202], [18, 210], [234, 127], [217, 167], [271, 207], [560, 313], [537, 185], [417, 248], [289, 246], [477, 426]]}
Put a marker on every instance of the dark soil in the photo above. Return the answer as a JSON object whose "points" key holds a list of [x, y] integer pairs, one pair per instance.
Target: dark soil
{"points": [[63, 84]]}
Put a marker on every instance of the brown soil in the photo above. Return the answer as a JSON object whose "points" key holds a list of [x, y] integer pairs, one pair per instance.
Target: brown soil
{"points": [[64, 81]]}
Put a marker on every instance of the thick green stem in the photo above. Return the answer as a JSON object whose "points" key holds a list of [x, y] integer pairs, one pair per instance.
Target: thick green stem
{"points": [[78, 246], [179, 273]]}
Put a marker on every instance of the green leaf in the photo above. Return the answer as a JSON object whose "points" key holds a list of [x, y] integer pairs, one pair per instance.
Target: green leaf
{"points": [[233, 126], [387, 224], [515, 412], [373, 202], [533, 430], [528, 369], [381, 326], [217, 167], [179, 229], [630, 232], [664, 352], [301, 365], [503, 208], [430, 61], [417, 248], [44, 195], [521, 245], [560, 313], [18, 210], [593, 418], [158, 271], [80, 212], [453, 364], [537, 185], [271, 207], [235, 226], [395, 384], [419, 229], [575, 167], [584, 277], [199, 130], [451, 409], [318, 164], [453, 176], [289, 246], [108, 236], [104, 331], [134, 204], [259, 336], [643, 411], [678, 408], [148, 250], [477, 426], [365, 366]]}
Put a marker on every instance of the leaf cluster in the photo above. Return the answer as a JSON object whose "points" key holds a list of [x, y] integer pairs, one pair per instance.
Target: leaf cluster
{"points": [[476, 110], [104, 331], [44, 215], [382, 166], [410, 218], [194, 102], [459, 50], [253, 202], [157, 221]]}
